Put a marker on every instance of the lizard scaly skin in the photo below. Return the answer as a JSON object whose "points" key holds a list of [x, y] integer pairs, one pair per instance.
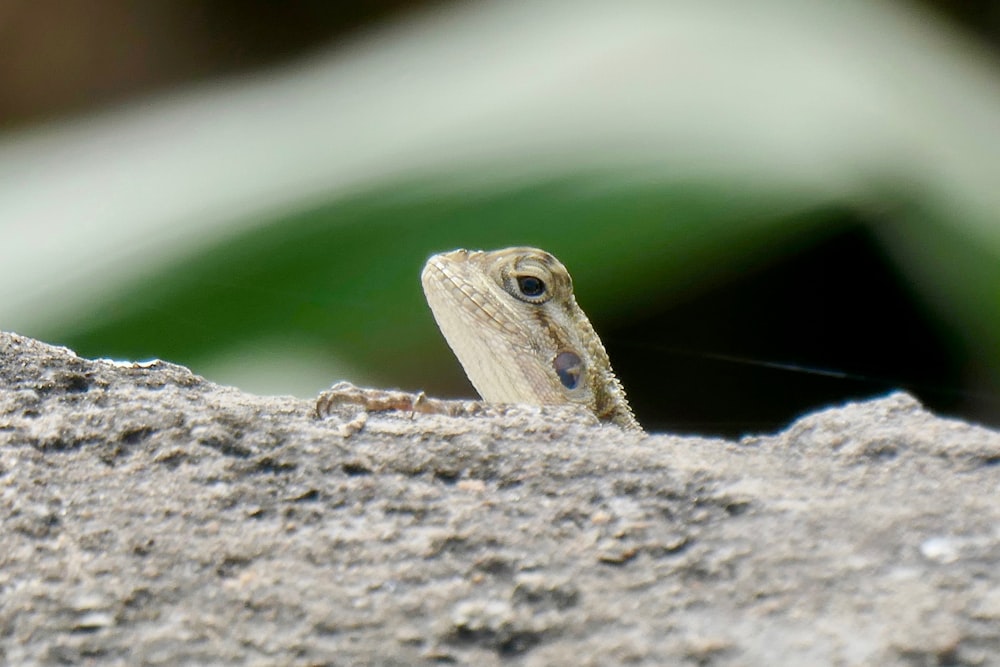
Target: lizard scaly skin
{"points": [[512, 320]]}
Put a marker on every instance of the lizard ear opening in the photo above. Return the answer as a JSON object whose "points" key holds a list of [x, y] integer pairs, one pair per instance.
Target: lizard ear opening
{"points": [[569, 368]]}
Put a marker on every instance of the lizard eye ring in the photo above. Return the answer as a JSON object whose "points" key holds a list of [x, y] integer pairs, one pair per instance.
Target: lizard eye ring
{"points": [[530, 286], [527, 283], [527, 287]]}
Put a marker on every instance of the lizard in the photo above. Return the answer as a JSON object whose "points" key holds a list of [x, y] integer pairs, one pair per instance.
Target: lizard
{"points": [[512, 320]]}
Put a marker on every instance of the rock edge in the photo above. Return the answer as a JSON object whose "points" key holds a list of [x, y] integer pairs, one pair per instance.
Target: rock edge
{"points": [[148, 516]]}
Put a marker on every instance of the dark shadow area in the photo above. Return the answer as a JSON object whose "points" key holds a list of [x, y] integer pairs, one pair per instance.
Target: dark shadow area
{"points": [[824, 325]]}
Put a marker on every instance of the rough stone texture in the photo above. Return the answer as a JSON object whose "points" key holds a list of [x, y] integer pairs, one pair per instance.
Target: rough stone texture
{"points": [[148, 516]]}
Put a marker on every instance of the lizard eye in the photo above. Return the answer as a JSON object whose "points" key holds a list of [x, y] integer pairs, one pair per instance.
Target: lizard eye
{"points": [[530, 286], [528, 281]]}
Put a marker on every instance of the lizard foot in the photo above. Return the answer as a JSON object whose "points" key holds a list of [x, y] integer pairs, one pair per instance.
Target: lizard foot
{"points": [[346, 399], [352, 405]]}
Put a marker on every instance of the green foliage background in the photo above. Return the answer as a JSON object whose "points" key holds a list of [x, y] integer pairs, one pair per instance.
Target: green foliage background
{"points": [[344, 276], [325, 281]]}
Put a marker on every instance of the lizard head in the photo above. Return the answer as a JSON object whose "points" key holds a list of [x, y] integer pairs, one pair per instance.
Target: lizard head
{"points": [[512, 320]]}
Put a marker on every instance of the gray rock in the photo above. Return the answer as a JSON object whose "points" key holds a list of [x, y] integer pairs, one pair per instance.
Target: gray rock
{"points": [[148, 516]]}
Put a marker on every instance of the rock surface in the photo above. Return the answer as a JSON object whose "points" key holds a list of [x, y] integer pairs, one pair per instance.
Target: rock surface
{"points": [[148, 516]]}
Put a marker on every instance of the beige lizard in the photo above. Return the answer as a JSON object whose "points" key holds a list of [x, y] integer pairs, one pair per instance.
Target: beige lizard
{"points": [[512, 320]]}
